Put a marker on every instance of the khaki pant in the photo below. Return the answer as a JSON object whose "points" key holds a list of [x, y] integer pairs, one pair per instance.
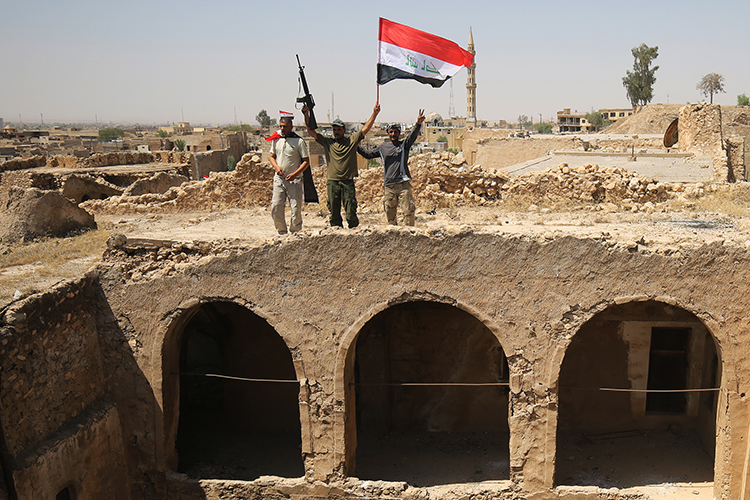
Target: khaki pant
{"points": [[399, 195], [282, 191]]}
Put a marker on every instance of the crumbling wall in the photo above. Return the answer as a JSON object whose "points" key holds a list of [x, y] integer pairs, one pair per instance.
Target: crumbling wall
{"points": [[32, 213], [211, 161], [60, 426], [86, 456], [116, 158], [440, 180], [736, 168], [700, 131], [23, 163]]}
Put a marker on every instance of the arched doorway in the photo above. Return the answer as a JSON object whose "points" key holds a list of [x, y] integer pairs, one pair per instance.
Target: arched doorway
{"points": [[635, 401], [229, 427], [422, 413]]}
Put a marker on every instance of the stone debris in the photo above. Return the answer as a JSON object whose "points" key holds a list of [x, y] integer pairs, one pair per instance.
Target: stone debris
{"points": [[440, 180]]}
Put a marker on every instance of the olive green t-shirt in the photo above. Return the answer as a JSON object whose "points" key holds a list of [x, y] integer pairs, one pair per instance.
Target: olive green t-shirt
{"points": [[341, 156]]}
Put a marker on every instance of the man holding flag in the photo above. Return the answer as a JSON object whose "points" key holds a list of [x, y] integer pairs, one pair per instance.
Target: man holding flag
{"points": [[396, 175]]}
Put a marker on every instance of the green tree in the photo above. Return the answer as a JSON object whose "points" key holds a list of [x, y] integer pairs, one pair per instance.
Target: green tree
{"points": [[597, 120], [639, 83], [524, 122], [231, 163], [743, 100], [179, 144], [442, 138], [162, 133], [710, 84], [543, 127], [264, 120], [110, 134]]}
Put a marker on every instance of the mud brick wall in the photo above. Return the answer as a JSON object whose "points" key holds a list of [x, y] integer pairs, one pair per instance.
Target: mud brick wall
{"points": [[49, 363]]}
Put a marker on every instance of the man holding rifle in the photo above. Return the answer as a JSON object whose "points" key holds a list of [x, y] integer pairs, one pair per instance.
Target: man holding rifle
{"points": [[341, 160]]}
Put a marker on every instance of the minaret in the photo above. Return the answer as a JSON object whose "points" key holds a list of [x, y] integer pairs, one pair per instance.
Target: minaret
{"points": [[471, 86]]}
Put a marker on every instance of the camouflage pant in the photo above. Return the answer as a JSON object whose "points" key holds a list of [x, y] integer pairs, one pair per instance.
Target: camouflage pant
{"points": [[399, 195]]}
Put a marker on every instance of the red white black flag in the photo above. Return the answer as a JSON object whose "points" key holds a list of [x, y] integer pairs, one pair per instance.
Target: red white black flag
{"points": [[408, 53]]}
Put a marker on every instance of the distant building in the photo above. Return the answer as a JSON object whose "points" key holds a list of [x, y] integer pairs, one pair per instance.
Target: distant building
{"points": [[449, 132], [452, 136], [572, 122], [614, 114], [576, 122], [2, 123], [181, 128]]}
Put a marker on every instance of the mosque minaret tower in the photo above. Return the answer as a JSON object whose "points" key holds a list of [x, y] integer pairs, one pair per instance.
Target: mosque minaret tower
{"points": [[471, 86]]}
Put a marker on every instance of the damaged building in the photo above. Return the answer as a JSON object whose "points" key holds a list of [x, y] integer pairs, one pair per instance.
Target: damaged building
{"points": [[515, 366], [454, 362]]}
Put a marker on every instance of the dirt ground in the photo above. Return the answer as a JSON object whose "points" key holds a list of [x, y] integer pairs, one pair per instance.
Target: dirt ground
{"points": [[663, 232], [669, 463]]}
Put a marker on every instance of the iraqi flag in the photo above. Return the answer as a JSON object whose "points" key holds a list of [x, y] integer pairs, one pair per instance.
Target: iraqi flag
{"points": [[408, 53]]}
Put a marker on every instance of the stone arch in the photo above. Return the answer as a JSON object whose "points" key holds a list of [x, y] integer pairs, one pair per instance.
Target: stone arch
{"points": [[208, 336], [437, 412], [623, 438]]}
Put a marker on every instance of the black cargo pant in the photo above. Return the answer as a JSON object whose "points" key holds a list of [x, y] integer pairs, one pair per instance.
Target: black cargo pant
{"points": [[342, 192]]}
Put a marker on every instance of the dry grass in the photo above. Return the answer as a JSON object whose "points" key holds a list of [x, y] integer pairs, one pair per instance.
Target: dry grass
{"points": [[52, 252], [30, 267], [732, 199]]}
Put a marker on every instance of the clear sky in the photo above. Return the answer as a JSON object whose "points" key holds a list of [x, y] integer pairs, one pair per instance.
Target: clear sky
{"points": [[159, 61]]}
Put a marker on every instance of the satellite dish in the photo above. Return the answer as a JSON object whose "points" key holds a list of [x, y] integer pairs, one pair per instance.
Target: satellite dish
{"points": [[670, 136]]}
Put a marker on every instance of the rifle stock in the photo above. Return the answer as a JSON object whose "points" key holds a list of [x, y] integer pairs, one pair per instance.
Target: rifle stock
{"points": [[307, 99]]}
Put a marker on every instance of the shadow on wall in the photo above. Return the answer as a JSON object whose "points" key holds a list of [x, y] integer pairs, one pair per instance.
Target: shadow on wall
{"points": [[444, 429], [232, 428]]}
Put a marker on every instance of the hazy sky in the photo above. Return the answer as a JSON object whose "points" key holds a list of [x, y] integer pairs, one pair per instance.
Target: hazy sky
{"points": [[158, 61]]}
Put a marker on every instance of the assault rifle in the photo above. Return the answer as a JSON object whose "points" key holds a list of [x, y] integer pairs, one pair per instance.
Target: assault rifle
{"points": [[307, 99]]}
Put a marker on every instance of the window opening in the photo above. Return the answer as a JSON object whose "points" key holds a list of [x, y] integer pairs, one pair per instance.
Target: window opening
{"points": [[667, 370]]}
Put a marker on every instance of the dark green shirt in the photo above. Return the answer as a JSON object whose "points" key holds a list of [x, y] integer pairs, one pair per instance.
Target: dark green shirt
{"points": [[341, 156]]}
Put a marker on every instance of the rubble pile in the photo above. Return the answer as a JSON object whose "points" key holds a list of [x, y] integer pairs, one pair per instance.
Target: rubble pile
{"points": [[62, 161], [590, 183], [440, 180], [248, 185], [148, 259], [444, 180]]}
